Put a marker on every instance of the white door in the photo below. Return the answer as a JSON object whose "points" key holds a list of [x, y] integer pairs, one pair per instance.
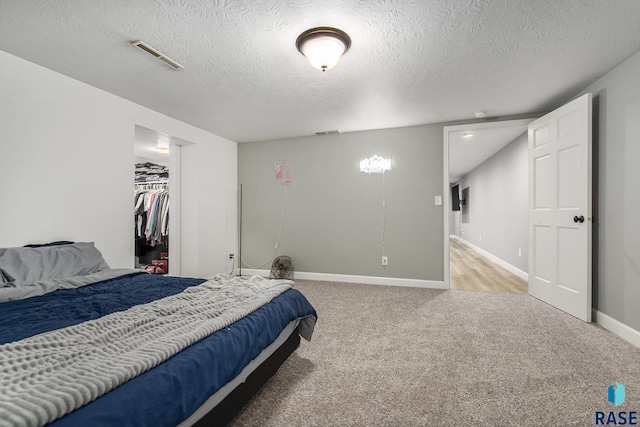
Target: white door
{"points": [[560, 208]]}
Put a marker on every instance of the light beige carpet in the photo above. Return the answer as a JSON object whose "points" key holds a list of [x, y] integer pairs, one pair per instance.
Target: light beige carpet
{"points": [[393, 356]]}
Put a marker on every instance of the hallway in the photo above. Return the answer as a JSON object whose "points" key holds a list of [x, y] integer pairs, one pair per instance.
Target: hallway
{"points": [[471, 271]]}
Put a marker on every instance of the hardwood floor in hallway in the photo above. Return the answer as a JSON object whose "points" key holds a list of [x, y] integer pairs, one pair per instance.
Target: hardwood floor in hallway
{"points": [[473, 272]]}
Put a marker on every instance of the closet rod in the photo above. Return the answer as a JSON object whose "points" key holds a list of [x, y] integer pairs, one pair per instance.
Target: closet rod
{"points": [[152, 186]]}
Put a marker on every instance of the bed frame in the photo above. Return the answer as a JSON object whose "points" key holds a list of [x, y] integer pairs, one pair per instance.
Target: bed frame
{"points": [[231, 405]]}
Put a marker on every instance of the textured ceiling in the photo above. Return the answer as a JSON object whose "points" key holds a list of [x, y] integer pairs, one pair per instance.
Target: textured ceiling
{"points": [[411, 62]]}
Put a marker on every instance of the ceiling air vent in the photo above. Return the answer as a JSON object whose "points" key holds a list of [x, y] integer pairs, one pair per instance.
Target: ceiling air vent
{"points": [[153, 52], [326, 132]]}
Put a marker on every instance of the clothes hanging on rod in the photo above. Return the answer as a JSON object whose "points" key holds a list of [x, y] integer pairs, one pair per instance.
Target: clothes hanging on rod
{"points": [[151, 212]]}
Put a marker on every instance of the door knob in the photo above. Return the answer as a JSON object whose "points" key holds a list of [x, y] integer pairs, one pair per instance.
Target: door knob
{"points": [[579, 219]]}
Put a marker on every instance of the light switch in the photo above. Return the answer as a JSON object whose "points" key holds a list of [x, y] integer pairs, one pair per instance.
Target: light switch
{"points": [[438, 200]]}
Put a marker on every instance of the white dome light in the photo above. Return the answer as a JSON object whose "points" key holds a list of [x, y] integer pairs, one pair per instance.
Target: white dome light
{"points": [[323, 46]]}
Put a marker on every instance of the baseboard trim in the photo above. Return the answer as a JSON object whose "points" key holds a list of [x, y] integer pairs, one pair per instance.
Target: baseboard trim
{"points": [[618, 328], [347, 278], [491, 257]]}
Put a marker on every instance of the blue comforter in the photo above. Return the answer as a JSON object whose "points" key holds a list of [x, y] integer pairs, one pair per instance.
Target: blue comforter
{"points": [[169, 393]]}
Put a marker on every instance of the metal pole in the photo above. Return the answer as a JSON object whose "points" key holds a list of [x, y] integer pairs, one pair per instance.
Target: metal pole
{"points": [[240, 242]]}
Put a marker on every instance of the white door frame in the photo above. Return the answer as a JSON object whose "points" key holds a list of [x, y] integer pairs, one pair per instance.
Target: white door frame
{"points": [[175, 205], [175, 252], [446, 199]]}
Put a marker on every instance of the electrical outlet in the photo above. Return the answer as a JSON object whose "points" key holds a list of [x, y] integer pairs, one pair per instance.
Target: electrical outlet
{"points": [[231, 256], [385, 260], [520, 253]]}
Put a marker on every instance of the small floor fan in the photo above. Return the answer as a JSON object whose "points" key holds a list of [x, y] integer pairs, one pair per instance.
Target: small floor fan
{"points": [[282, 268]]}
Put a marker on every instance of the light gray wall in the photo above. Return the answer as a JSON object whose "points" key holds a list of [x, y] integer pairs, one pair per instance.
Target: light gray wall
{"points": [[498, 205], [333, 215], [616, 168]]}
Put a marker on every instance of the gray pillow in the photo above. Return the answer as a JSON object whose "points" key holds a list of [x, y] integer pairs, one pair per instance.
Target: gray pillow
{"points": [[26, 266]]}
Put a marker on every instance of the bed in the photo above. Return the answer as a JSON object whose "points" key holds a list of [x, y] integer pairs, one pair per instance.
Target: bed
{"points": [[84, 344]]}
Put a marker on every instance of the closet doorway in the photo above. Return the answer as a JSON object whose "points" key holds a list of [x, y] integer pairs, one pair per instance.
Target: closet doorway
{"points": [[486, 185], [156, 234]]}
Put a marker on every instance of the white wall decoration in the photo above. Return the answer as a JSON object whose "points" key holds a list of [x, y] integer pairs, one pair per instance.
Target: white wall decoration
{"points": [[375, 164], [282, 172]]}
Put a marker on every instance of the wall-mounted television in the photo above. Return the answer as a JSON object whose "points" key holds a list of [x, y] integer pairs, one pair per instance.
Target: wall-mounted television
{"points": [[455, 198], [464, 205]]}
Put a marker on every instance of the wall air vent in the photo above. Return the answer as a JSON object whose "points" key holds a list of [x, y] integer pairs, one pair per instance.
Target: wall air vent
{"points": [[153, 52], [326, 132]]}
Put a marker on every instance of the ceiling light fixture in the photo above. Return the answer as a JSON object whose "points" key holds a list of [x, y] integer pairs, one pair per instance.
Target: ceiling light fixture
{"points": [[162, 150], [163, 143], [481, 114], [467, 134], [323, 46]]}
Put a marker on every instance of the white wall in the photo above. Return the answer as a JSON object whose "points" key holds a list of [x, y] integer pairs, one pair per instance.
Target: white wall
{"points": [[67, 162]]}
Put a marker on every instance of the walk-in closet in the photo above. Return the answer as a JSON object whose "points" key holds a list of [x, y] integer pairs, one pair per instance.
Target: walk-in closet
{"points": [[151, 201], [151, 214]]}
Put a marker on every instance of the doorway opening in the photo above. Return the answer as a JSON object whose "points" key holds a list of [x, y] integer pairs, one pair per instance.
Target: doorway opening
{"points": [[486, 196], [156, 235]]}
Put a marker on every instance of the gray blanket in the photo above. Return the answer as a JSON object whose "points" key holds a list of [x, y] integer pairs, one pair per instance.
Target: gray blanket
{"points": [[49, 375]]}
